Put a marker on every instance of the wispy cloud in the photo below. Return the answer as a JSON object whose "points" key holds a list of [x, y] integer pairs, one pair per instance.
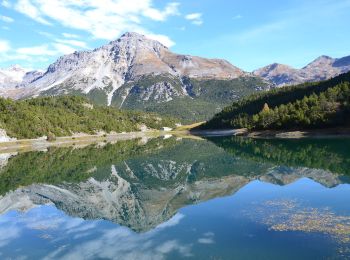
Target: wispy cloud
{"points": [[238, 16], [195, 18], [261, 30], [208, 238], [6, 3], [161, 15], [98, 240], [76, 43], [37, 53], [70, 35], [105, 20], [6, 19], [27, 8], [46, 34], [298, 18], [172, 222]]}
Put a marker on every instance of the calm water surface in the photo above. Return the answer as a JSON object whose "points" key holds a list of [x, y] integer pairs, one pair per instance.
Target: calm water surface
{"points": [[221, 198]]}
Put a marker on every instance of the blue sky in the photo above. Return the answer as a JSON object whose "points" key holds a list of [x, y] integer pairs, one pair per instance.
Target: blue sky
{"points": [[248, 33]]}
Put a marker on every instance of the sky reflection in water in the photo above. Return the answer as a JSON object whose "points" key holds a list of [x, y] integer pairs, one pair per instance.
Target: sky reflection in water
{"points": [[276, 211]]}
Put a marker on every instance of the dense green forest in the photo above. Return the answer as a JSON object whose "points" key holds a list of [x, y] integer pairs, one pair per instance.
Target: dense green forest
{"points": [[72, 165], [69, 164], [327, 154], [64, 115], [310, 105]]}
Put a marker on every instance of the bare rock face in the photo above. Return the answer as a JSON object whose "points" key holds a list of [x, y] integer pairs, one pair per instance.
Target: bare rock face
{"points": [[124, 60], [279, 74], [322, 68]]}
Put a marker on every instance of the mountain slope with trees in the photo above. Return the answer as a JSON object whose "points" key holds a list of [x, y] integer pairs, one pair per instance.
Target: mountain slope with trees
{"points": [[306, 106], [64, 115]]}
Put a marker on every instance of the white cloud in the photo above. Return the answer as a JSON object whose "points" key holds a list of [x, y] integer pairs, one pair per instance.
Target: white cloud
{"points": [[172, 222], [52, 49], [4, 46], [40, 50], [158, 15], [105, 19], [27, 8], [238, 16], [6, 19], [76, 43], [63, 48], [6, 3], [207, 239], [70, 35], [195, 18], [46, 34], [161, 38], [8, 233]]}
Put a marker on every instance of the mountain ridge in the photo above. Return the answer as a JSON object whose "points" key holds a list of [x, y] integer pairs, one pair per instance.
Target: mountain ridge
{"points": [[322, 68], [138, 73]]}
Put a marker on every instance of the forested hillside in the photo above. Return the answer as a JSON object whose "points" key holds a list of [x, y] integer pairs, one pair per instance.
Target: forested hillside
{"points": [[64, 115], [306, 106]]}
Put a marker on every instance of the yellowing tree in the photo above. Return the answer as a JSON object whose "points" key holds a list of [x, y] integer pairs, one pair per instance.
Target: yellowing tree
{"points": [[266, 108]]}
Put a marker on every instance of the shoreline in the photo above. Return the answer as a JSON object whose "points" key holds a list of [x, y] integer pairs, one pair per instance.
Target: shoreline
{"points": [[22, 145], [74, 140], [81, 140], [297, 134], [279, 134], [282, 134]]}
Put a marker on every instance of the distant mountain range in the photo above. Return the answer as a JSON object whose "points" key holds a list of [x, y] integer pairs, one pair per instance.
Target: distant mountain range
{"points": [[134, 72], [324, 67]]}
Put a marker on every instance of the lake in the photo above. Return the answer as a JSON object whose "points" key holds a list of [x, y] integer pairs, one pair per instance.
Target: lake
{"points": [[172, 197]]}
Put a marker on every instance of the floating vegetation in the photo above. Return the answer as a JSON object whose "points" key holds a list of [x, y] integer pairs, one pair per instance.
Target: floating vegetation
{"points": [[292, 215]]}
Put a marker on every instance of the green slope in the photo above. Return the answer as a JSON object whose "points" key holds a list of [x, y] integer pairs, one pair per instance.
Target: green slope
{"points": [[327, 154], [204, 99], [305, 106], [63, 115]]}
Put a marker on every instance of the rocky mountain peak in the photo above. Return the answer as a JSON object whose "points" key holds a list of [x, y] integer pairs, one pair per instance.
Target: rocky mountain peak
{"points": [[136, 41], [272, 69], [323, 60], [322, 68], [342, 62]]}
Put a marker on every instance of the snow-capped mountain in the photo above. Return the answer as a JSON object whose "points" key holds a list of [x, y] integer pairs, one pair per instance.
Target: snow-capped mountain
{"points": [[322, 68]]}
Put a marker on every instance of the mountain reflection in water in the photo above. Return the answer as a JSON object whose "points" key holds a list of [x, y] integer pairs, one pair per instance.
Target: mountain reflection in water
{"points": [[133, 193]]}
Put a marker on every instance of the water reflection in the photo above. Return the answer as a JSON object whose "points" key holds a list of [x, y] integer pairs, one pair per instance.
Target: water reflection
{"points": [[151, 193]]}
